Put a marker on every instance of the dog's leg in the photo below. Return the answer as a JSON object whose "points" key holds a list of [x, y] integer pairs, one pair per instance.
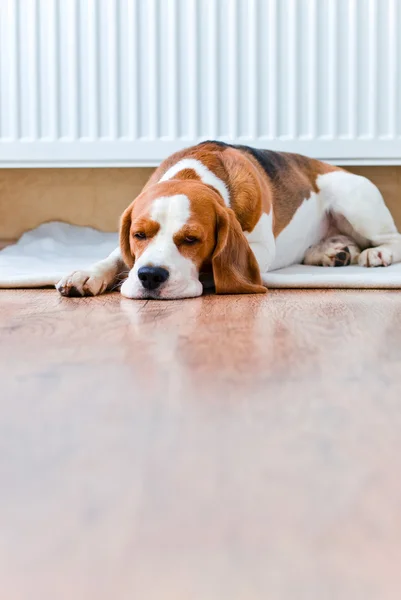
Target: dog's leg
{"points": [[264, 254], [102, 276], [336, 251], [262, 243], [360, 212]]}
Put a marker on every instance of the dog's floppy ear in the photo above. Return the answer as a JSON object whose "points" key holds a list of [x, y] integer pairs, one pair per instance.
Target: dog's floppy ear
{"points": [[125, 232], [235, 269]]}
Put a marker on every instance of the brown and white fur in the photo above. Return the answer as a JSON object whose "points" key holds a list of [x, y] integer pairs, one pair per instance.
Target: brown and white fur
{"points": [[235, 213]]}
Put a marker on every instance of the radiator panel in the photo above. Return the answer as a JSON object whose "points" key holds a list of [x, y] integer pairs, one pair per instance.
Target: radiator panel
{"points": [[118, 82]]}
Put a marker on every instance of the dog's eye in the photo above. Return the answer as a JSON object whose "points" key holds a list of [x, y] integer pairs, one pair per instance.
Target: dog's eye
{"points": [[190, 239], [140, 235]]}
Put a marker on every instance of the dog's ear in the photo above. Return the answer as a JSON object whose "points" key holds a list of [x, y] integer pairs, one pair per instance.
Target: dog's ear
{"points": [[235, 269], [125, 233]]}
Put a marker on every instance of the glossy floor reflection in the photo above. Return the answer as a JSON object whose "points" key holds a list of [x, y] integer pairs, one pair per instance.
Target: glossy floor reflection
{"points": [[238, 448]]}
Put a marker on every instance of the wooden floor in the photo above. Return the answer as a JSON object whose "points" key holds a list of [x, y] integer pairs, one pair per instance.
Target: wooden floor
{"points": [[222, 448]]}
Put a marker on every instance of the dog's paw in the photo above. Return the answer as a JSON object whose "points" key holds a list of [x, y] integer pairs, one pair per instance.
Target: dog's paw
{"points": [[338, 251], [376, 257], [82, 283], [337, 256]]}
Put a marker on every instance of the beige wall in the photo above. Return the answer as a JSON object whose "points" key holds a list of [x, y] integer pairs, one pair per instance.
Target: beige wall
{"points": [[93, 197], [97, 197]]}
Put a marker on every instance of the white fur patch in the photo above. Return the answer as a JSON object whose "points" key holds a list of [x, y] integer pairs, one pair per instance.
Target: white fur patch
{"points": [[261, 241], [306, 228], [207, 176], [360, 202], [171, 212]]}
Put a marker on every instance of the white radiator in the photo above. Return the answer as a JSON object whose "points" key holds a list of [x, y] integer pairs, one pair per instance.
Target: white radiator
{"points": [[126, 82]]}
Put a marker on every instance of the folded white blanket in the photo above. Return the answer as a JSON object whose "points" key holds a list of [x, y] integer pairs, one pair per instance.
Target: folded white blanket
{"points": [[42, 256]]}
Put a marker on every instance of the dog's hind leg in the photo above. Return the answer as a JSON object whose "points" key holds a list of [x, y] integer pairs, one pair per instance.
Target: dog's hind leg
{"points": [[359, 211]]}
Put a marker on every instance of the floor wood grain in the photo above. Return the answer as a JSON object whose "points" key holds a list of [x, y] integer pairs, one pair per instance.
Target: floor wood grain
{"points": [[222, 448]]}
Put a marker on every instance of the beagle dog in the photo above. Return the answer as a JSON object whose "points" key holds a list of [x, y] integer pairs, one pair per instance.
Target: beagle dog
{"points": [[234, 213]]}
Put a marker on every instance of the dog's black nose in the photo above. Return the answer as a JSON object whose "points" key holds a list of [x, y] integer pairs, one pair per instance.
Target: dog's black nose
{"points": [[152, 277]]}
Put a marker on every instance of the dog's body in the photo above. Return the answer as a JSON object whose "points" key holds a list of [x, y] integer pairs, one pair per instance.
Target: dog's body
{"points": [[236, 212]]}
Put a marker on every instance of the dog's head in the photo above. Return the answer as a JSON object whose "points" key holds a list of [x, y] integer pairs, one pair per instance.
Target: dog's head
{"points": [[176, 229]]}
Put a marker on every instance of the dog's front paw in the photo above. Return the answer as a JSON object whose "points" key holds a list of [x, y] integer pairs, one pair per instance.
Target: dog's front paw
{"points": [[376, 257], [82, 283]]}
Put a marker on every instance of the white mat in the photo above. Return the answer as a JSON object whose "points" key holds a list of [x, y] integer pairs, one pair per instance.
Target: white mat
{"points": [[42, 256]]}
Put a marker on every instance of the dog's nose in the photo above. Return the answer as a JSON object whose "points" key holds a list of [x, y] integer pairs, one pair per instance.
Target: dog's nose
{"points": [[152, 277]]}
